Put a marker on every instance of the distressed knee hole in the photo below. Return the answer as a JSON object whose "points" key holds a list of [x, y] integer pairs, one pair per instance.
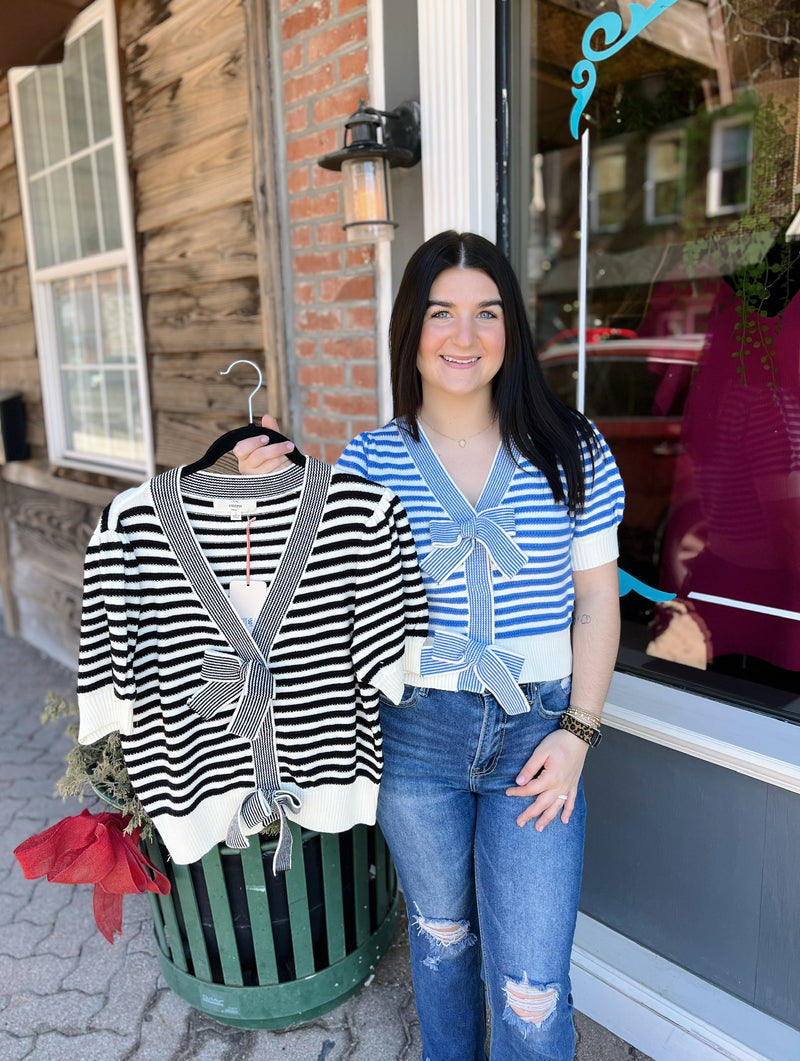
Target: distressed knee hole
{"points": [[444, 932], [529, 1004], [446, 939]]}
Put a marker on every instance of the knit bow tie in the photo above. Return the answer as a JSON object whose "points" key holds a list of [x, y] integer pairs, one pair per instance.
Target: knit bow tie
{"points": [[247, 682], [259, 809], [483, 666], [453, 542]]}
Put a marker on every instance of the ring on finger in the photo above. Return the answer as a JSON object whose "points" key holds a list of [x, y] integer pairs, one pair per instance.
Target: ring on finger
{"points": [[562, 797]]}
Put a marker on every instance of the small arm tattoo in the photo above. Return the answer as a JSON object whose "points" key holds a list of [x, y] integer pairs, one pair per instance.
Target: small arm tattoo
{"points": [[583, 619]]}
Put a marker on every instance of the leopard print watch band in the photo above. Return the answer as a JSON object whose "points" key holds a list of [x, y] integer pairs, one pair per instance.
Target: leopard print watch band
{"points": [[586, 733]]}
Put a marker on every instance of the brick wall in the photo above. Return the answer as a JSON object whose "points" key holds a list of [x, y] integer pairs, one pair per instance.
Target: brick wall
{"points": [[325, 61]]}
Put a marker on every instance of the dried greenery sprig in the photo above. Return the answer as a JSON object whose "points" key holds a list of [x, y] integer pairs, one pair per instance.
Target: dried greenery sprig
{"points": [[98, 768]]}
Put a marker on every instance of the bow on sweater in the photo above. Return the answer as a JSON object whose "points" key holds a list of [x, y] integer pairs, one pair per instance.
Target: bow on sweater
{"points": [[93, 849], [246, 681], [259, 809], [484, 666], [453, 542], [251, 685]]}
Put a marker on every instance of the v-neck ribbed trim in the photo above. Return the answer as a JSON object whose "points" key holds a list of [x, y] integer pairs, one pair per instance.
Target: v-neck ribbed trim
{"points": [[313, 480], [441, 484]]}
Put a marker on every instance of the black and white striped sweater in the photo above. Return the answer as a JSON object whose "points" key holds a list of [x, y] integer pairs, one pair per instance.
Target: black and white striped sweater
{"points": [[166, 660]]}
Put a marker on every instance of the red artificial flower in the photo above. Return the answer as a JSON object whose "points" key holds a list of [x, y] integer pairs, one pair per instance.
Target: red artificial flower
{"points": [[93, 849]]}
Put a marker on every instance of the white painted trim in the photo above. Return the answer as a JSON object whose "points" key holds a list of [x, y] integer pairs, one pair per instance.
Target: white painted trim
{"points": [[383, 250], [664, 1010], [457, 77], [583, 272], [751, 743]]}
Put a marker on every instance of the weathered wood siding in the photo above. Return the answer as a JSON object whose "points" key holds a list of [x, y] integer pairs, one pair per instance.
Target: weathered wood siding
{"points": [[18, 365], [187, 97], [185, 83]]}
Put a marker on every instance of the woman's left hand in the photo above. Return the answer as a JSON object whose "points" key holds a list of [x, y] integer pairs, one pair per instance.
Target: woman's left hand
{"points": [[553, 771]]}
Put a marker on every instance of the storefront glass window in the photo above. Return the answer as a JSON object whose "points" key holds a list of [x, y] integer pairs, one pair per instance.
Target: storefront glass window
{"points": [[693, 316]]}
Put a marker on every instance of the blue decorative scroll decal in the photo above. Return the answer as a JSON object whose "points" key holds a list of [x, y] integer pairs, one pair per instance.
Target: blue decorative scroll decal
{"points": [[628, 582], [584, 75]]}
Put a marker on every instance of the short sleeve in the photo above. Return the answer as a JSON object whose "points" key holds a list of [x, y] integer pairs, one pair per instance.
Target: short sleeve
{"points": [[391, 610], [594, 540], [109, 620], [354, 459]]}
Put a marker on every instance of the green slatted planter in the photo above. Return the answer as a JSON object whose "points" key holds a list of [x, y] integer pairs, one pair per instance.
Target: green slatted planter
{"points": [[255, 950]]}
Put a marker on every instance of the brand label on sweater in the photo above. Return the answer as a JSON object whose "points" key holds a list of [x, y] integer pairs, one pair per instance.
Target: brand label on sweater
{"points": [[235, 508]]}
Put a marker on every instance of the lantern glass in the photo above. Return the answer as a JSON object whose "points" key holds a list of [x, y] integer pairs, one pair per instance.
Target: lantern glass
{"points": [[367, 200]]}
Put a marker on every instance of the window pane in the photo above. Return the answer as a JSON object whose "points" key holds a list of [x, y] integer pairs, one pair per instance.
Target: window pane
{"points": [[94, 329], [109, 203], [85, 405], [610, 208], [734, 143], [60, 187], [30, 124], [103, 414], [115, 318], [734, 186], [55, 142], [75, 98], [123, 405], [98, 87], [610, 172], [667, 159], [73, 302], [693, 328], [667, 200], [86, 206], [40, 216]]}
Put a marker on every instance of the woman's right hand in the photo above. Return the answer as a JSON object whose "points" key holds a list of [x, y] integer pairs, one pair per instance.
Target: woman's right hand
{"points": [[257, 457]]}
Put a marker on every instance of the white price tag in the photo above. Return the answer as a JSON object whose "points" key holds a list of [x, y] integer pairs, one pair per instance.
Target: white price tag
{"points": [[248, 600]]}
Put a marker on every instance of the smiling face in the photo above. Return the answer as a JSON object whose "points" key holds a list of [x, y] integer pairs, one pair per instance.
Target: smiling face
{"points": [[463, 338]]}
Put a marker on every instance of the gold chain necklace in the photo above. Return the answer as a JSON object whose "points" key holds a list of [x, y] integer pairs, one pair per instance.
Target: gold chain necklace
{"points": [[461, 441]]}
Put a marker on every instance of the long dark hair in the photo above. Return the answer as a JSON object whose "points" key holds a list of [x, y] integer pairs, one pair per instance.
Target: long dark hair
{"points": [[532, 420]]}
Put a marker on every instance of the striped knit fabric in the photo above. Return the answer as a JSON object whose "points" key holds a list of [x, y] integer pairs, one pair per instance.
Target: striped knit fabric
{"points": [[499, 574], [157, 572]]}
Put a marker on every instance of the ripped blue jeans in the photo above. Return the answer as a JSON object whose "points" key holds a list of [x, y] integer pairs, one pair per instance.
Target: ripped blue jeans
{"points": [[488, 902]]}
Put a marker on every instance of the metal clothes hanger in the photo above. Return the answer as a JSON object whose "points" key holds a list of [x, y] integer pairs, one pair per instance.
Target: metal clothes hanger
{"points": [[225, 443]]}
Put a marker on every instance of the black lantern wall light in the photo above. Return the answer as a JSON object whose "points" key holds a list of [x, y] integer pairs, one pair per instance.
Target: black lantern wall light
{"points": [[374, 141]]}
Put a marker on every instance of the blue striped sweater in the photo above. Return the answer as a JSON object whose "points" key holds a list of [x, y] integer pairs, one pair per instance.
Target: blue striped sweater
{"points": [[498, 576]]}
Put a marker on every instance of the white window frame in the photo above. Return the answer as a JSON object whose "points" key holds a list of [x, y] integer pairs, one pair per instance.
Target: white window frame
{"points": [[714, 205], [606, 151], [43, 279], [652, 181]]}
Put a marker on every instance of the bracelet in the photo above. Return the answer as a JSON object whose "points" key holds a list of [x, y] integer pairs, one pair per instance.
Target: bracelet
{"points": [[584, 716], [589, 734]]}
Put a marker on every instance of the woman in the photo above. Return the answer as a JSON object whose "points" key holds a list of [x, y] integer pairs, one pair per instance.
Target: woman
{"points": [[514, 501]]}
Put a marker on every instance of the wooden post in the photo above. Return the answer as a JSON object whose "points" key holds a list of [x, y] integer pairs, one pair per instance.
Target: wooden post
{"points": [[266, 210]]}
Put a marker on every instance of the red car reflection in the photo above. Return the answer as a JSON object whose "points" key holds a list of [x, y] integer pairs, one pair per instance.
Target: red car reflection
{"points": [[707, 439], [635, 393]]}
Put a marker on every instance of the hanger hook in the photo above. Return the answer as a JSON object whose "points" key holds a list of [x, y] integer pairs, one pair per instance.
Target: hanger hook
{"points": [[257, 387]]}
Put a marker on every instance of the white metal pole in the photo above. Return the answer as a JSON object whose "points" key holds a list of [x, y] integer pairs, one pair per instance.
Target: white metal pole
{"points": [[580, 399]]}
